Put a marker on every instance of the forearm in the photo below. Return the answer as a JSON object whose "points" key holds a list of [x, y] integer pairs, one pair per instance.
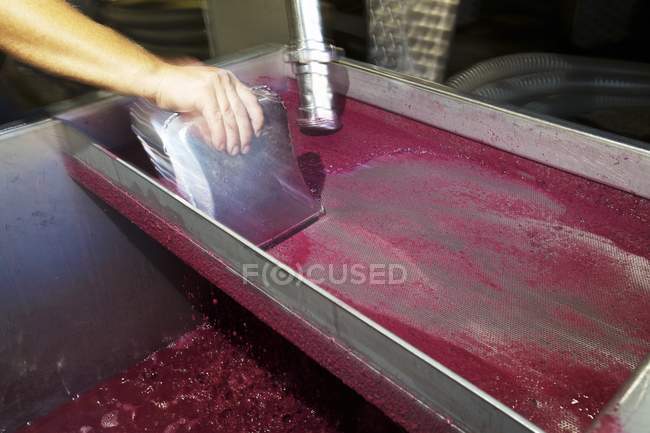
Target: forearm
{"points": [[53, 36]]}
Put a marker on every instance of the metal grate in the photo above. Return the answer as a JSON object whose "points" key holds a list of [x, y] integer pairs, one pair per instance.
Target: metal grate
{"points": [[411, 36], [531, 283]]}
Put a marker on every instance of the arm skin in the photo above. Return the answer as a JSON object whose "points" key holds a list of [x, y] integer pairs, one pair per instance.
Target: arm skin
{"points": [[55, 37]]}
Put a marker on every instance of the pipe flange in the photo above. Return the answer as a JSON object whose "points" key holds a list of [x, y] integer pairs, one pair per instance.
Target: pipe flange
{"points": [[311, 51]]}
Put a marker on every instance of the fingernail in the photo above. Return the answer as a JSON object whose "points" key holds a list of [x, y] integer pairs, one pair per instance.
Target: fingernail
{"points": [[245, 149]]}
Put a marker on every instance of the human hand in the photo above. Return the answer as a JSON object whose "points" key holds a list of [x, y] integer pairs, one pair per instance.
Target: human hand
{"points": [[230, 110]]}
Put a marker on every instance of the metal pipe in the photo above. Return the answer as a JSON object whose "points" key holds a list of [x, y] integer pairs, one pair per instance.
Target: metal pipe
{"points": [[310, 56]]}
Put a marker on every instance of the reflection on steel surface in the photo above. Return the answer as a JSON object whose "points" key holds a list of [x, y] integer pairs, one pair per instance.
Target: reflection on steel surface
{"points": [[629, 411], [411, 36], [310, 56]]}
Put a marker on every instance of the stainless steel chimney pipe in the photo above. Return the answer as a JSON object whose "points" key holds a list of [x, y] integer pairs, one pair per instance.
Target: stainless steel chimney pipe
{"points": [[310, 56]]}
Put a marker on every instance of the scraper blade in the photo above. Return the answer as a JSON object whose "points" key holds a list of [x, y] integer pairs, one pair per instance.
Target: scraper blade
{"points": [[260, 195]]}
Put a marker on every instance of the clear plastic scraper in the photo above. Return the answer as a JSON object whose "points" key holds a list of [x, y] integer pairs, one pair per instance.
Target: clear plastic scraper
{"points": [[261, 195]]}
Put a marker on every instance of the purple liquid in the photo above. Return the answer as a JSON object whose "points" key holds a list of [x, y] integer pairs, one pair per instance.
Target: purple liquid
{"points": [[232, 374]]}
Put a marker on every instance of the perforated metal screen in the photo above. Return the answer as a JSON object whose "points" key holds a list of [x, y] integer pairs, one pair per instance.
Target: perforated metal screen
{"points": [[532, 283]]}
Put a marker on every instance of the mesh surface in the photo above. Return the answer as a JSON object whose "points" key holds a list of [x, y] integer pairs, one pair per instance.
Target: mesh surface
{"points": [[532, 283], [411, 36]]}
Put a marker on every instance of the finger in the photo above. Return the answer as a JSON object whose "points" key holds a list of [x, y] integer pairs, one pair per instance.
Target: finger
{"points": [[252, 105], [212, 115], [228, 117], [241, 114]]}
